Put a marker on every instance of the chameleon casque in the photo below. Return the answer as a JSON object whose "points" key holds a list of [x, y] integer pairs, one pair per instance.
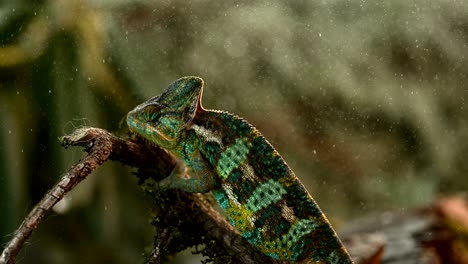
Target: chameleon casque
{"points": [[262, 197]]}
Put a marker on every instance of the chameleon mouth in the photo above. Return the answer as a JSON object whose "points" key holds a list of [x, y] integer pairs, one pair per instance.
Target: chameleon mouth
{"points": [[137, 127], [140, 139]]}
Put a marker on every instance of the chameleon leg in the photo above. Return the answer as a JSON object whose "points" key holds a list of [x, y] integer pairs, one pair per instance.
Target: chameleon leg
{"points": [[201, 181]]}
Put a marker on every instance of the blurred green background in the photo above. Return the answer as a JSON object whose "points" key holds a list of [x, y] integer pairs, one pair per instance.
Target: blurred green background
{"points": [[364, 99]]}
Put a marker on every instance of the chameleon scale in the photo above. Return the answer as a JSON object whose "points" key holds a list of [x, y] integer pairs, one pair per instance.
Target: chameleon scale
{"points": [[261, 196]]}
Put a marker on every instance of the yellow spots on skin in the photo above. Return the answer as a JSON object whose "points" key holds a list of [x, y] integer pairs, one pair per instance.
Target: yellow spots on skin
{"points": [[232, 198], [241, 218], [281, 246], [232, 158], [288, 180]]}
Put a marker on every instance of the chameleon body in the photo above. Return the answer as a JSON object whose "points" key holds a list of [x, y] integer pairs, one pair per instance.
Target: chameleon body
{"points": [[262, 197]]}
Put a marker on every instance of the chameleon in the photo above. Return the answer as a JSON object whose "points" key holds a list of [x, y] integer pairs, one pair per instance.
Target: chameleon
{"points": [[261, 196]]}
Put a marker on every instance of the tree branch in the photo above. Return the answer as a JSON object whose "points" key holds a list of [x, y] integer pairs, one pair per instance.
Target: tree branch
{"points": [[193, 212], [99, 148]]}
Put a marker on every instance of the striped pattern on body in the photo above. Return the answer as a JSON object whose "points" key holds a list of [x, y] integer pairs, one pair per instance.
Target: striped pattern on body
{"points": [[262, 197]]}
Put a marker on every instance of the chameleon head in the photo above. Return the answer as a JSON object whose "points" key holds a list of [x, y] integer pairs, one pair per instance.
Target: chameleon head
{"points": [[161, 119]]}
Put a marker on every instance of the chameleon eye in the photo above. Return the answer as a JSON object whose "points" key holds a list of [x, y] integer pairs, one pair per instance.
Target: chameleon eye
{"points": [[151, 117], [151, 113]]}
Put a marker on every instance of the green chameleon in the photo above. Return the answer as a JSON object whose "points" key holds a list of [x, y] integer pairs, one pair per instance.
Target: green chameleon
{"points": [[261, 196]]}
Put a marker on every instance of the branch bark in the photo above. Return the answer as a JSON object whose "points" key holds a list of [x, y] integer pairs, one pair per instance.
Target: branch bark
{"points": [[99, 146]]}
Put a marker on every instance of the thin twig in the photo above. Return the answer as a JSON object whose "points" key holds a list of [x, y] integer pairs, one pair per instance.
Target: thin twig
{"points": [[99, 150]]}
